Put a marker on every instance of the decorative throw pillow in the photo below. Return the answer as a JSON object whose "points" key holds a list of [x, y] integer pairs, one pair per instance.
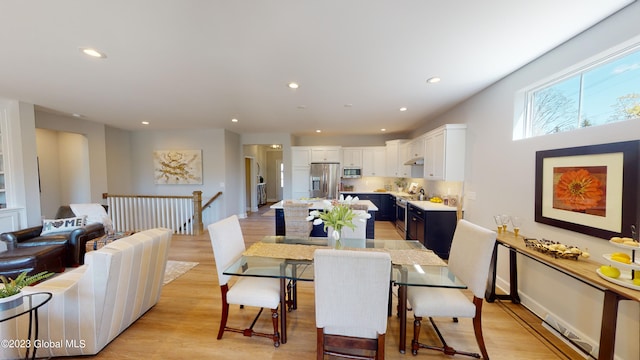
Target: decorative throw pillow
{"points": [[62, 225]]}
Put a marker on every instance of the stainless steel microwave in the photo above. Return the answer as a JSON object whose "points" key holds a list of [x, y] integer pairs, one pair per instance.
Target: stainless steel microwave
{"points": [[351, 172]]}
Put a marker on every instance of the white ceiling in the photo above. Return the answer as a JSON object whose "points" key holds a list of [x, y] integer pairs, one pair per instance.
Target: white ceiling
{"points": [[198, 64]]}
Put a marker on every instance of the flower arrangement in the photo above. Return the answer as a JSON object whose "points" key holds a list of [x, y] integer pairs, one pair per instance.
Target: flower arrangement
{"points": [[401, 182], [337, 215]]}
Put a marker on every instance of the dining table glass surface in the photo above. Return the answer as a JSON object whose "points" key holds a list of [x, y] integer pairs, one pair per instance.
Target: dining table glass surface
{"points": [[297, 264]]}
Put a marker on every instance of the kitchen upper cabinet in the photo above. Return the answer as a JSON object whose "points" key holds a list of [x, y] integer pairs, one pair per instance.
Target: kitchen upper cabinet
{"points": [[352, 157], [445, 153], [415, 148], [300, 156], [396, 151], [325, 154], [374, 161]]}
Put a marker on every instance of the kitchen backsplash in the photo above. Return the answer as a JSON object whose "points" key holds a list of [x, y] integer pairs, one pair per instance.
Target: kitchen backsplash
{"points": [[431, 188]]}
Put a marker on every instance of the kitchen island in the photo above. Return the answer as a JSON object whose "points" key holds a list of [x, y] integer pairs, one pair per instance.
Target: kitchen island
{"points": [[318, 230]]}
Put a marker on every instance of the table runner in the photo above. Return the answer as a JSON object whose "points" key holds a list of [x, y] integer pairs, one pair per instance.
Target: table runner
{"points": [[305, 252]]}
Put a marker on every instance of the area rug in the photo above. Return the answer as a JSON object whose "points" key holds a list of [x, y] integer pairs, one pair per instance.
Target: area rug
{"points": [[175, 269]]}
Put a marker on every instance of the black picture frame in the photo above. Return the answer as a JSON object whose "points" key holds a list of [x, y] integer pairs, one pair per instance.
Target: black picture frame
{"points": [[608, 174]]}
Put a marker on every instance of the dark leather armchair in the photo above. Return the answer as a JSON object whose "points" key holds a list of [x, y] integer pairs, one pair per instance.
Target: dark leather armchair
{"points": [[75, 240]]}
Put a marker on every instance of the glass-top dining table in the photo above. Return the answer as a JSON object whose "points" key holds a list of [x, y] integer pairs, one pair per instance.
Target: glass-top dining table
{"points": [[290, 259]]}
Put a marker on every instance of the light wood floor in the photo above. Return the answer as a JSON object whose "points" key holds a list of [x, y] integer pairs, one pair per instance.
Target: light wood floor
{"points": [[184, 323]]}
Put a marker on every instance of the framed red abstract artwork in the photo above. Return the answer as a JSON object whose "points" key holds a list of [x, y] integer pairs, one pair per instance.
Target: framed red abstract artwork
{"points": [[589, 189]]}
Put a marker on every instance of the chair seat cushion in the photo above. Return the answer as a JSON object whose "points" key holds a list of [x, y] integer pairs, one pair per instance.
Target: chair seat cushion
{"points": [[255, 291], [440, 302]]}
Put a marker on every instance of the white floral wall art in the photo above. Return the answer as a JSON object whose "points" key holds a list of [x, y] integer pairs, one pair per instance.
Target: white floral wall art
{"points": [[177, 166]]}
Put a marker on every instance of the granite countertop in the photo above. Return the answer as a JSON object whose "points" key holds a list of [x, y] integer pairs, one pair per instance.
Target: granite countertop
{"points": [[319, 205]]}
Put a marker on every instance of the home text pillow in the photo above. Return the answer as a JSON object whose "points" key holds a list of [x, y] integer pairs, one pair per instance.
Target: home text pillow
{"points": [[62, 225]]}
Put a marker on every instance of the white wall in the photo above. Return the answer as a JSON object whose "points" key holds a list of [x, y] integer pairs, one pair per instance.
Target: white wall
{"points": [[95, 135], [49, 172], [501, 173], [118, 143], [216, 173], [63, 167]]}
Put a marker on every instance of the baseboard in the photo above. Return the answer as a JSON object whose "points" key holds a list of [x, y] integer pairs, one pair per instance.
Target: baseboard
{"points": [[580, 343], [569, 337]]}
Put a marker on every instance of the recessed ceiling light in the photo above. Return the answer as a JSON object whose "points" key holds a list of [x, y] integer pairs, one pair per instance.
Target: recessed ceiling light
{"points": [[76, 115], [348, 105], [318, 131], [145, 123], [93, 53], [234, 120], [383, 130], [433, 80], [293, 85], [403, 109]]}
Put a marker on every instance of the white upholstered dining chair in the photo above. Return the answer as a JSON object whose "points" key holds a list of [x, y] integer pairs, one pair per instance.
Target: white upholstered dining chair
{"points": [[471, 251], [228, 245], [359, 232], [351, 295]]}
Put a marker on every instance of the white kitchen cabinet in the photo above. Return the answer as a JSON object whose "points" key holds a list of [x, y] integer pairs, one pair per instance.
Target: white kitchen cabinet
{"points": [[300, 160], [300, 156], [445, 153], [325, 154], [415, 148], [374, 161], [301, 183], [10, 219], [396, 153], [352, 157]]}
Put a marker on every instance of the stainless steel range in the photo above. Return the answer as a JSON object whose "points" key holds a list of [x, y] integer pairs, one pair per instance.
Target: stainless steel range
{"points": [[401, 216]]}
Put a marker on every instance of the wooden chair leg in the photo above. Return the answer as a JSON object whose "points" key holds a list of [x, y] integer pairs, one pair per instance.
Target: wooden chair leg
{"points": [[319, 344], [380, 350], [225, 311], [276, 334], [415, 344], [477, 327]]}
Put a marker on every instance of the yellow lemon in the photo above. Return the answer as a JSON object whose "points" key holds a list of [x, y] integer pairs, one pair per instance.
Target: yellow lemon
{"points": [[621, 259], [624, 255], [610, 271]]}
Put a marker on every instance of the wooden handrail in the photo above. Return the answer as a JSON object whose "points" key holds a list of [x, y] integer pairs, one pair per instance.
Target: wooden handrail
{"points": [[212, 199], [199, 224], [106, 195]]}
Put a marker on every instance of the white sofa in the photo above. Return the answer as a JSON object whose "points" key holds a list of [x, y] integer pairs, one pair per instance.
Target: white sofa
{"points": [[94, 303]]}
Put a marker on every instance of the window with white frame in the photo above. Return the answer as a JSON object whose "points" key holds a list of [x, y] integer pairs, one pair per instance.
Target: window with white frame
{"points": [[604, 91]]}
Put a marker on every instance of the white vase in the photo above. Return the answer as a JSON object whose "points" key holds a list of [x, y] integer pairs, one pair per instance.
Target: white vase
{"points": [[11, 302]]}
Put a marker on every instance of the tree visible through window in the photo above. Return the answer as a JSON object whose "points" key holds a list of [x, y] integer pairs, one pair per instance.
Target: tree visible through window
{"points": [[605, 92]]}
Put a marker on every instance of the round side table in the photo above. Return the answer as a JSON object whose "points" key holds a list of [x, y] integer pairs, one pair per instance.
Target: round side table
{"points": [[30, 305]]}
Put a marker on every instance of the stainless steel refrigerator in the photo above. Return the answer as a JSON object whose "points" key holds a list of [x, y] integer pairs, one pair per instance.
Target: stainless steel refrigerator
{"points": [[325, 180]]}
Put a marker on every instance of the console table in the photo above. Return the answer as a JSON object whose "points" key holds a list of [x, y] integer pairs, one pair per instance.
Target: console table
{"points": [[581, 270]]}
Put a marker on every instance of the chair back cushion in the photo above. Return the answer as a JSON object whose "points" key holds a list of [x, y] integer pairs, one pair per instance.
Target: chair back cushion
{"points": [[352, 292], [227, 243], [470, 256]]}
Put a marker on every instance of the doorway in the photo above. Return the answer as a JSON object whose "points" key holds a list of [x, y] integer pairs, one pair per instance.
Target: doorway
{"points": [[279, 180]]}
